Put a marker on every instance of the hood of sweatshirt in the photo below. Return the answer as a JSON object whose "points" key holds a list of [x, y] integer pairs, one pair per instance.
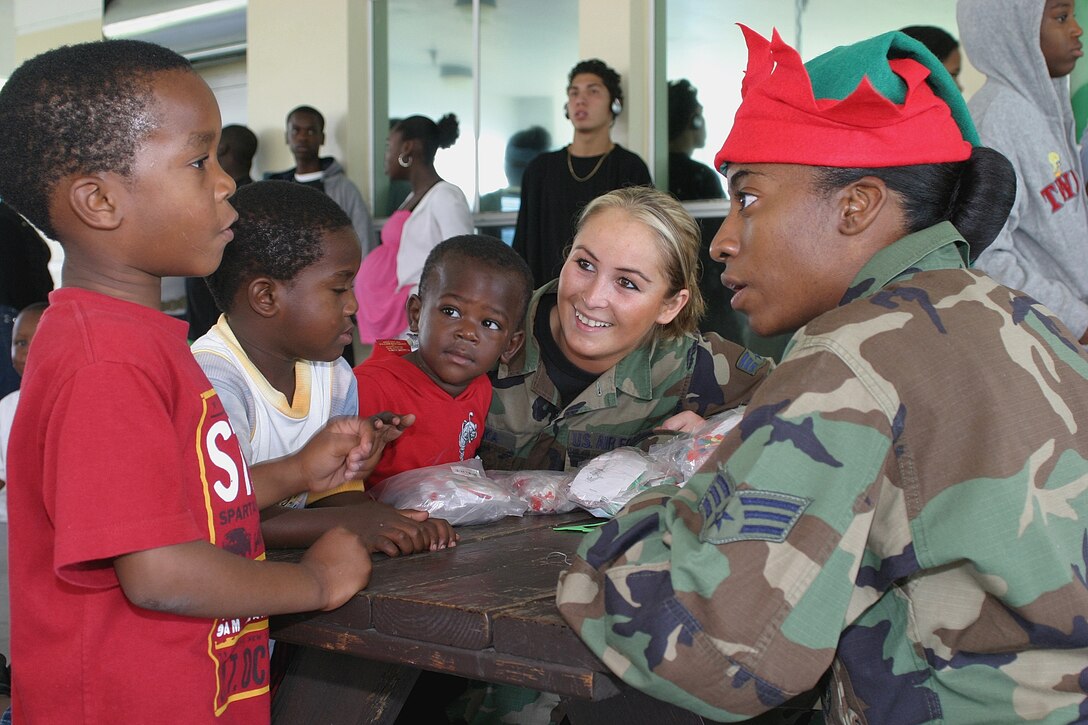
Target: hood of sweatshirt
{"points": [[1001, 39], [330, 167]]}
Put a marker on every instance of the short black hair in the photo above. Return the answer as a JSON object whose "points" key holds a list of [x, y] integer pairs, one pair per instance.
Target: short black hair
{"points": [[38, 307], [432, 136], [523, 147], [278, 234], [487, 254], [936, 40], [683, 105], [77, 109], [306, 109], [599, 68], [534, 138], [241, 139]]}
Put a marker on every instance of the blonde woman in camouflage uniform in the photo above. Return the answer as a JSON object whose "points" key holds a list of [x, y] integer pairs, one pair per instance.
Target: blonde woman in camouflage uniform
{"points": [[902, 515], [611, 346]]}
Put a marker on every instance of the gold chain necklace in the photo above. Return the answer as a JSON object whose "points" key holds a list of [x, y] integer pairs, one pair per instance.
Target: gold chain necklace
{"points": [[591, 174]]}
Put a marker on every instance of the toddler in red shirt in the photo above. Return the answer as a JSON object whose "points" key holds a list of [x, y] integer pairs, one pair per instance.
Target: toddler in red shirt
{"points": [[473, 295]]}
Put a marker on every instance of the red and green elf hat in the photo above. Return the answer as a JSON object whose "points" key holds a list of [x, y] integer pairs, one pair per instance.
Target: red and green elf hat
{"points": [[886, 101]]}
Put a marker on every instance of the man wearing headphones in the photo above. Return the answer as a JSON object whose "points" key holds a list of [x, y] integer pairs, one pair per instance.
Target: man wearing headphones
{"points": [[557, 185]]}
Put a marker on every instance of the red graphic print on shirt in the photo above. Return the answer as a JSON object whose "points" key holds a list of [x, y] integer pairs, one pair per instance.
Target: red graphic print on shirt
{"points": [[238, 648]]}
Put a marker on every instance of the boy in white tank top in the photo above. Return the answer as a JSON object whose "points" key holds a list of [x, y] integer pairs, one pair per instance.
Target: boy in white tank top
{"points": [[285, 284]]}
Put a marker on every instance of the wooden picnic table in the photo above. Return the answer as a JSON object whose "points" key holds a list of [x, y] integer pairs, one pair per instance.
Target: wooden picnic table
{"points": [[483, 610]]}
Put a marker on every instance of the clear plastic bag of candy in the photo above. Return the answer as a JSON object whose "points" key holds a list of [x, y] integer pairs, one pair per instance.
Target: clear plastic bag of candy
{"points": [[544, 492], [458, 492], [687, 452]]}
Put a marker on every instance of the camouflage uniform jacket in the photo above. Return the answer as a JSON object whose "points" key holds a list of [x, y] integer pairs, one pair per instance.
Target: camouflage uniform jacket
{"points": [[527, 429], [905, 502]]}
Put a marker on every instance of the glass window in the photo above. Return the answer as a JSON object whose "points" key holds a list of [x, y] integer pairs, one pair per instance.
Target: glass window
{"points": [[526, 49], [430, 74], [705, 46]]}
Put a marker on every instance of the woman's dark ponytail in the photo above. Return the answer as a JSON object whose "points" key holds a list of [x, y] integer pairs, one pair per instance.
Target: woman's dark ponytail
{"points": [[984, 197], [432, 136], [976, 195]]}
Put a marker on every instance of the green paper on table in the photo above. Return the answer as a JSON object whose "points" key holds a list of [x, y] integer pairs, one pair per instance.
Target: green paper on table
{"points": [[581, 528]]}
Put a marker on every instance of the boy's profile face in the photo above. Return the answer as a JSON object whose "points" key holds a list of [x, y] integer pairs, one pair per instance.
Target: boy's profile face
{"points": [[176, 219], [467, 321], [26, 324], [315, 307], [1059, 37]]}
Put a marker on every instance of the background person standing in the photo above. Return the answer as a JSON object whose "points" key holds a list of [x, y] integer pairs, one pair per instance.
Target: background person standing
{"points": [[305, 136], [557, 185], [1027, 51]]}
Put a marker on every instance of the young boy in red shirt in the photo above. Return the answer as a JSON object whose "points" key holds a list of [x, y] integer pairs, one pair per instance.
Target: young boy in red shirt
{"points": [[473, 294], [140, 590]]}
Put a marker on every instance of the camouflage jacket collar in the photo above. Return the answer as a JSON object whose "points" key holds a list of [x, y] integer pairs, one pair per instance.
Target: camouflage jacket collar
{"points": [[527, 359], [635, 370], [936, 247]]}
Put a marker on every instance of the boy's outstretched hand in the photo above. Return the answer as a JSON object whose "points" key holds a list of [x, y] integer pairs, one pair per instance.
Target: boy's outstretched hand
{"points": [[348, 448], [340, 565]]}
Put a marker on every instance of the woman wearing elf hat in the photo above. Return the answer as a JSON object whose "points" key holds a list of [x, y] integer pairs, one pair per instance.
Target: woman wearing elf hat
{"points": [[901, 518]]}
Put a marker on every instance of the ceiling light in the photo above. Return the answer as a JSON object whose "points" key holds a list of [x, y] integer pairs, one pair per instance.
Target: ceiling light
{"points": [[170, 18]]}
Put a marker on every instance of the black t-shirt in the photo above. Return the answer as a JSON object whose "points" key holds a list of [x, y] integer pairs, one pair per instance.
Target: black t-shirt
{"points": [[551, 200], [569, 379], [689, 180]]}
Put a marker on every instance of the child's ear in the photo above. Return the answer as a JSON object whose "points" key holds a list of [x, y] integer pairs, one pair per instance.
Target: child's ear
{"points": [[414, 305], [513, 346], [262, 294], [97, 200]]}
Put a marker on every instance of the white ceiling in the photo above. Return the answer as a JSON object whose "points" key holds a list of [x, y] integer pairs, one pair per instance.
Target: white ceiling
{"points": [[221, 30]]}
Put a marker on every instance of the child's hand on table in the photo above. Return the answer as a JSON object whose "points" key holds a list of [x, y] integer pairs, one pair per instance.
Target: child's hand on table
{"points": [[439, 532], [397, 531]]}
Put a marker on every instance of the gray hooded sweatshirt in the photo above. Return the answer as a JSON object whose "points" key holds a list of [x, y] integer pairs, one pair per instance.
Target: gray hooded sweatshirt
{"points": [[1026, 115]]}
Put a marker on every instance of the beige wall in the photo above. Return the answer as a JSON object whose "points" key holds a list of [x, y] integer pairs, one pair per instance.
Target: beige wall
{"points": [[629, 51], [40, 25], [31, 44], [302, 56]]}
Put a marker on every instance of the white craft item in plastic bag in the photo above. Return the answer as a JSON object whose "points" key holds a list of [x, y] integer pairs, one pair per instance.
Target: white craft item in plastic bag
{"points": [[457, 492], [603, 485]]}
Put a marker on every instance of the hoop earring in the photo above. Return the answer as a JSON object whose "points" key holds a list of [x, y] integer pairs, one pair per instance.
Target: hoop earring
{"points": [[404, 164]]}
